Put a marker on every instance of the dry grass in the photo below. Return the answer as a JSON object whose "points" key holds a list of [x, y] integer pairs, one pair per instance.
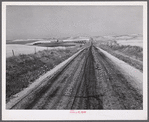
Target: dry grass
{"points": [[22, 70], [130, 54]]}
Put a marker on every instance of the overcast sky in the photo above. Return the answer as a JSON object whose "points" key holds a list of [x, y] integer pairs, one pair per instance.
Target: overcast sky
{"points": [[24, 22]]}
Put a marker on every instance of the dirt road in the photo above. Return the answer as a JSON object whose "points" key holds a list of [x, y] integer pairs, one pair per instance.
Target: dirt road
{"points": [[90, 81]]}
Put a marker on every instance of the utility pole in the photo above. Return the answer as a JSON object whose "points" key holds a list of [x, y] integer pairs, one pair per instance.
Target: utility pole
{"points": [[12, 52], [35, 50]]}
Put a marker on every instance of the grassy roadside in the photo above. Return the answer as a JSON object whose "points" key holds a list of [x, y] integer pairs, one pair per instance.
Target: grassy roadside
{"points": [[131, 51], [22, 70], [129, 54]]}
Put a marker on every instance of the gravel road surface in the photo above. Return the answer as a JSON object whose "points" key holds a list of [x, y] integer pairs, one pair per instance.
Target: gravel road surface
{"points": [[90, 81]]}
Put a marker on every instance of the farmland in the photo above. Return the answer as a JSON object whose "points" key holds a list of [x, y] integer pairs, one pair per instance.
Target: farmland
{"points": [[23, 69], [20, 42], [29, 46], [21, 49], [130, 39], [28, 59], [133, 55], [92, 79], [138, 43]]}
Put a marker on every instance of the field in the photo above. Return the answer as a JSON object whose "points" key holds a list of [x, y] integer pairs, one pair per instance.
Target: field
{"points": [[132, 55], [28, 59], [21, 49], [49, 42], [128, 48], [92, 81], [35, 45], [138, 43], [30, 62], [20, 42], [22, 70], [130, 39]]}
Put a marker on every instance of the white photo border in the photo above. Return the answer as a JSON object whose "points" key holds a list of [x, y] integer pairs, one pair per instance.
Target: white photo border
{"points": [[65, 114]]}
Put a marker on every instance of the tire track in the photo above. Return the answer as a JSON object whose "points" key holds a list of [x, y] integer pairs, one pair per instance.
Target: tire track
{"points": [[123, 92], [29, 101], [89, 82], [60, 83]]}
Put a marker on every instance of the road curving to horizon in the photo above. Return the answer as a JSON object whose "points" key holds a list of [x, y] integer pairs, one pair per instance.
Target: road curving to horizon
{"points": [[90, 81]]}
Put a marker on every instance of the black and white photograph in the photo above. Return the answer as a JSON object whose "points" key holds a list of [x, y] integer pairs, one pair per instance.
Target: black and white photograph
{"points": [[74, 60]]}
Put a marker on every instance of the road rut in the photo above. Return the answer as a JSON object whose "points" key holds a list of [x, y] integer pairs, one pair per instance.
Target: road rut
{"points": [[90, 81]]}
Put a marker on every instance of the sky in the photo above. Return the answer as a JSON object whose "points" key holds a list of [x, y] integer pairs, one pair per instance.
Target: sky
{"points": [[26, 22]]}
